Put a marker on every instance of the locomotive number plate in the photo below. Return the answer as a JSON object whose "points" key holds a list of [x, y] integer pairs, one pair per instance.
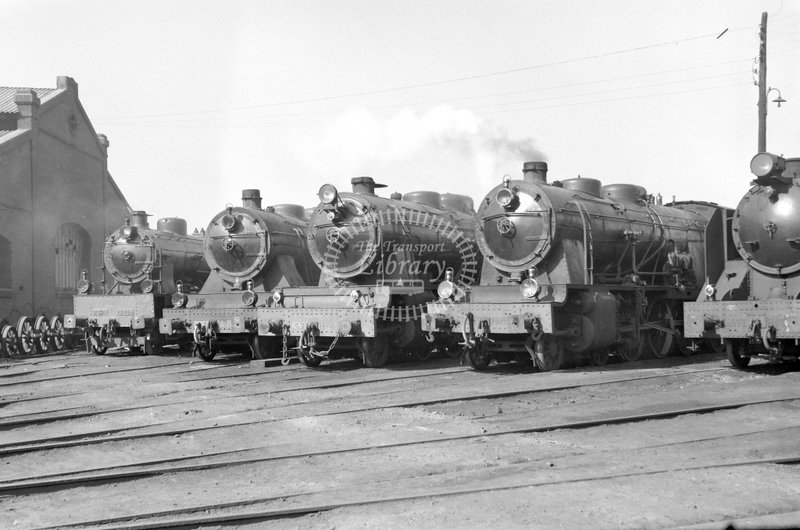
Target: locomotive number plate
{"points": [[125, 312], [99, 312], [499, 325]]}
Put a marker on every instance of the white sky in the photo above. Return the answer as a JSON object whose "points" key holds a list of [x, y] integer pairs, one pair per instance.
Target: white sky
{"points": [[201, 99]]}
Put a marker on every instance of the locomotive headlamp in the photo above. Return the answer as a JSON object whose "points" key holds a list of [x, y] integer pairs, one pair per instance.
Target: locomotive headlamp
{"points": [[447, 288], [506, 198], [709, 291], [529, 288], [83, 286], [277, 297], [767, 165], [147, 285], [327, 194], [249, 298], [228, 222], [128, 232], [179, 299]]}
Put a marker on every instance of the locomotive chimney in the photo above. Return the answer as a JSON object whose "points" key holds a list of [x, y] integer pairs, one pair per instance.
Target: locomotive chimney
{"points": [[251, 199], [365, 185], [535, 172], [139, 219]]}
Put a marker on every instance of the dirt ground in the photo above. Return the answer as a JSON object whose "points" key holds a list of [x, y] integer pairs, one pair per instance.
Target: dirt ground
{"points": [[433, 444]]}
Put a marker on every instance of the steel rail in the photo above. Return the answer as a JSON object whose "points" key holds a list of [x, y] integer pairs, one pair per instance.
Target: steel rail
{"points": [[90, 374], [188, 516], [36, 418], [106, 435], [72, 478]]}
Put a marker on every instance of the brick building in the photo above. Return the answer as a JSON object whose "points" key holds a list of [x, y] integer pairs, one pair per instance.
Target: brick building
{"points": [[57, 198]]}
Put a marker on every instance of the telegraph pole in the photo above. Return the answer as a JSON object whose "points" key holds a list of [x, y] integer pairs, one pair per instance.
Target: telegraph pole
{"points": [[762, 85]]}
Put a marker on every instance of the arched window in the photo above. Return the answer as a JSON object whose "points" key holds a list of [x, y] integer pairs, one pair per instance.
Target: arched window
{"points": [[73, 253], [5, 264]]}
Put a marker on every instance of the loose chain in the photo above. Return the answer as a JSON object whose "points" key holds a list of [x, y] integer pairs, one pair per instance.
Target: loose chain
{"points": [[285, 351]]}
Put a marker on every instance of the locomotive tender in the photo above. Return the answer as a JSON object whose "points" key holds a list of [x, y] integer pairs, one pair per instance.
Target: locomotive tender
{"points": [[251, 253], [574, 270], [752, 306], [144, 265], [381, 259]]}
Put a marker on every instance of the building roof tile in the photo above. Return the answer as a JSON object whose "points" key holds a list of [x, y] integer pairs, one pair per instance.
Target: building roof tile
{"points": [[7, 104]]}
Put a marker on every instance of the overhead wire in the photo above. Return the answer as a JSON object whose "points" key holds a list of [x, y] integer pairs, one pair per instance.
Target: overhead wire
{"points": [[430, 83], [507, 93], [257, 120], [477, 110], [201, 119]]}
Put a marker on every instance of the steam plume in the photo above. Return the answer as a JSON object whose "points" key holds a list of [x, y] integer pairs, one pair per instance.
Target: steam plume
{"points": [[444, 149]]}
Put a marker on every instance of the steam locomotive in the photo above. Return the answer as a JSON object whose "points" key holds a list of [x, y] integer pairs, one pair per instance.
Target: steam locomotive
{"points": [[251, 253], [144, 265], [752, 305], [381, 259], [575, 270]]}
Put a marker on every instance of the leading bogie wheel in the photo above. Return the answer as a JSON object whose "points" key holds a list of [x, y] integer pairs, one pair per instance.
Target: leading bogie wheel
{"points": [[599, 357], [738, 352], [422, 350], [153, 344], [477, 357], [685, 346], [448, 346], [43, 332], [94, 345], [375, 351], [549, 354], [204, 351], [57, 339], [26, 335]]}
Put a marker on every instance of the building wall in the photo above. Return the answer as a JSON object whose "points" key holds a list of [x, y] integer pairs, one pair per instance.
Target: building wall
{"points": [[16, 226], [58, 187]]}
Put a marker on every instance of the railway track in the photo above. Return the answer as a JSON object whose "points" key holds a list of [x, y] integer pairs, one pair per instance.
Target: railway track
{"points": [[336, 405], [314, 429], [82, 375], [307, 503], [174, 465]]}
